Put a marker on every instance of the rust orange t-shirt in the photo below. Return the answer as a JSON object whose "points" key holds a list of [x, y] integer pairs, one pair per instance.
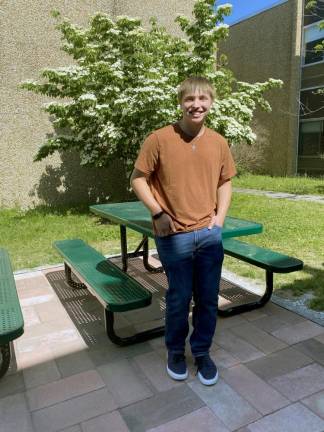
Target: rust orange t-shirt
{"points": [[185, 172]]}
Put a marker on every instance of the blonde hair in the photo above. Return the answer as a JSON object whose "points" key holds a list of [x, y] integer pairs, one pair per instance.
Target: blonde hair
{"points": [[193, 84]]}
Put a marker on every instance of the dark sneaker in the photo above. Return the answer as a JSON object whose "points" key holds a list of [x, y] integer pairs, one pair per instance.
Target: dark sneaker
{"points": [[206, 370], [176, 367]]}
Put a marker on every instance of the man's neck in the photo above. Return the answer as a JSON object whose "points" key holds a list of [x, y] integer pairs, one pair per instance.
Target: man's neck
{"points": [[191, 129]]}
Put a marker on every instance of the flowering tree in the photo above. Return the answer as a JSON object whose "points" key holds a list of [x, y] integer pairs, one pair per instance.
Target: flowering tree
{"points": [[124, 79]]}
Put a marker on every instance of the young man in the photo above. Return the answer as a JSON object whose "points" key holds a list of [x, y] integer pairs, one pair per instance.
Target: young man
{"points": [[182, 174]]}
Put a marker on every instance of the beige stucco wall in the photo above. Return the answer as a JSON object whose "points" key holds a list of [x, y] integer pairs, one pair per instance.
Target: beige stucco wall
{"points": [[30, 42], [268, 45]]}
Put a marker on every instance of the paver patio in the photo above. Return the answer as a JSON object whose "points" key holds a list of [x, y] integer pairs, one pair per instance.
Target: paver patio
{"points": [[67, 376]]}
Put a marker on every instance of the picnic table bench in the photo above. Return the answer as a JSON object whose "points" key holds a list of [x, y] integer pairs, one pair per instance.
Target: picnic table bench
{"points": [[269, 260], [115, 289], [11, 318]]}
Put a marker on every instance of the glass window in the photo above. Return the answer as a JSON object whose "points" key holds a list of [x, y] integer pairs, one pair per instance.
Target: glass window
{"points": [[312, 103], [315, 14], [313, 35], [311, 138]]}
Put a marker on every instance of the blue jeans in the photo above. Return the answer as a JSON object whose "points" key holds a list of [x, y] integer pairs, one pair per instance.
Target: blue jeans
{"points": [[192, 262]]}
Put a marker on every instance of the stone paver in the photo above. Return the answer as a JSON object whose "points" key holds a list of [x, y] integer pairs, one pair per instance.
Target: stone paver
{"points": [[14, 414], [256, 391], [258, 338], [239, 348], [161, 408], [312, 348], [294, 418], [316, 403], [64, 389], [73, 411], [112, 422], [301, 382], [298, 332], [278, 363], [72, 379], [222, 399], [202, 419], [124, 382]]}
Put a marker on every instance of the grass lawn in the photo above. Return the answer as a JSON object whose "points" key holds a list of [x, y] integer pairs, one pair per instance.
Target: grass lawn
{"points": [[294, 228], [295, 185]]}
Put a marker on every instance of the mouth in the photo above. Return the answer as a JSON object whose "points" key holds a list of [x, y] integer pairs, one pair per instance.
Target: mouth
{"points": [[195, 114]]}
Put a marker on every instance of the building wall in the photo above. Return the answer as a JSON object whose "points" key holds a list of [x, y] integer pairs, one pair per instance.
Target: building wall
{"points": [[269, 45], [29, 42]]}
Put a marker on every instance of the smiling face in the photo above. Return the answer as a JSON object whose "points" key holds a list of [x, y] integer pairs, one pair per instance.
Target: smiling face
{"points": [[195, 107]]}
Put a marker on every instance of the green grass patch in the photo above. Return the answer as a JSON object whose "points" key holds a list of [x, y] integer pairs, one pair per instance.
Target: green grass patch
{"points": [[295, 185]]}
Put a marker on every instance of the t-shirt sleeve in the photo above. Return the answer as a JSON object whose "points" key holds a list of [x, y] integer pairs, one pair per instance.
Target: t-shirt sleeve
{"points": [[148, 156], [228, 169]]}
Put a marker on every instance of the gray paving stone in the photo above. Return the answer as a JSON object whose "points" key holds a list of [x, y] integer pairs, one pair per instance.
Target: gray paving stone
{"points": [[316, 403], [64, 389], [14, 414], [202, 419], [161, 408], [229, 322], [254, 314], [301, 382], [239, 348], [154, 368], [73, 411], [298, 332], [270, 323], [222, 399], [283, 314], [41, 373], [74, 363], [223, 359], [278, 363], [252, 388], [11, 384], [258, 338], [72, 429], [123, 382], [294, 418], [312, 348], [112, 422]]}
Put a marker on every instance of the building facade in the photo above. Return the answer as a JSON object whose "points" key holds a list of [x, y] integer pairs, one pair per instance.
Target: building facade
{"points": [[30, 42], [280, 43]]}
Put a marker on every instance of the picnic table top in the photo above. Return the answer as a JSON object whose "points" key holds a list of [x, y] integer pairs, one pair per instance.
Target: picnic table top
{"points": [[136, 216]]}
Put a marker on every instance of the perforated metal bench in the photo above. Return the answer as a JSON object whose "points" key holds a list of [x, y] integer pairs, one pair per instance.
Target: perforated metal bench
{"points": [[11, 318], [114, 289], [270, 261]]}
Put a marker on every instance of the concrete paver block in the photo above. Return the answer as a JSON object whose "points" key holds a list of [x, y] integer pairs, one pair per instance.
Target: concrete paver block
{"points": [[294, 418], [278, 363], [14, 414], [64, 389], [298, 332], [73, 411], [312, 348], [252, 388], [124, 383], [161, 408], [221, 399], [316, 403], [202, 419], [112, 422], [301, 382]]}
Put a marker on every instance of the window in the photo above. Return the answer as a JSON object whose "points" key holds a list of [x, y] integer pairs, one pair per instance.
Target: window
{"points": [[312, 103], [311, 138], [315, 14], [313, 35]]}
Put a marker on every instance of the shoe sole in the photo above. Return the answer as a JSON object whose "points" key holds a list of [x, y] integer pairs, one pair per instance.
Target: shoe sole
{"points": [[208, 382], [177, 377]]}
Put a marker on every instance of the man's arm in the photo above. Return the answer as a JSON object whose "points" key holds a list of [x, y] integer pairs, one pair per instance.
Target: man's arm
{"points": [[164, 224], [224, 194]]}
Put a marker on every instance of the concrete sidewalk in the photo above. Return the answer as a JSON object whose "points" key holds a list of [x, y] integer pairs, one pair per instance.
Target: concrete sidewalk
{"points": [[67, 376]]}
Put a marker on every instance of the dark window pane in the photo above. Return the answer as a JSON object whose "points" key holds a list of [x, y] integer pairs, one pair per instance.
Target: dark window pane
{"points": [[312, 103], [311, 55], [314, 14], [311, 138]]}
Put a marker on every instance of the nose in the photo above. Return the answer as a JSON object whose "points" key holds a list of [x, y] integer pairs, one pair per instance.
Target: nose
{"points": [[196, 103]]}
